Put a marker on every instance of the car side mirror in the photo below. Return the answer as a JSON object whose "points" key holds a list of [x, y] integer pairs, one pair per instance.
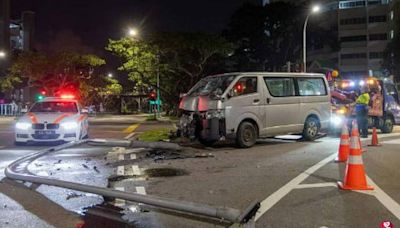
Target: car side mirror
{"points": [[84, 111]]}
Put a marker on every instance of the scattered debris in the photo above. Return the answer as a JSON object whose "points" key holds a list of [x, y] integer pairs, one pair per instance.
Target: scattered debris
{"points": [[71, 195], [5, 205], [38, 165], [95, 169], [165, 172], [58, 169], [58, 162], [85, 166], [204, 155]]}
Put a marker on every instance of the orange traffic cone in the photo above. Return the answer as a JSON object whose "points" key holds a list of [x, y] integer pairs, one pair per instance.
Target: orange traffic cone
{"points": [[374, 139], [355, 178], [344, 147]]}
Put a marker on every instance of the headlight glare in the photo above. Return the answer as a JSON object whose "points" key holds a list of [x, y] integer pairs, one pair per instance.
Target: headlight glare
{"points": [[69, 125], [23, 126]]}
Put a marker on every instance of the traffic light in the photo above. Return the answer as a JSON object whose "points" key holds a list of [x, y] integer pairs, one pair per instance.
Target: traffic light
{"points": [[153, 96]]}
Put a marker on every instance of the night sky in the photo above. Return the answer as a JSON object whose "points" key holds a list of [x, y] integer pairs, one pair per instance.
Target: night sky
{"points": [[97, 20]]}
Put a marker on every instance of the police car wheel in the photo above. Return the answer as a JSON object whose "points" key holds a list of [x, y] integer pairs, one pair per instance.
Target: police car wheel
{"points": [[311, 129], [246, 135]]}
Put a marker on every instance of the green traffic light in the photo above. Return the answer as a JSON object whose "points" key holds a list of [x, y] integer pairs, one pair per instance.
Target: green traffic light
{"points": [[40, 97]]}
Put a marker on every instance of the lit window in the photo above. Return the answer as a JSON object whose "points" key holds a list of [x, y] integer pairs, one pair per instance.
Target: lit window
{"points": [[391, 15], [391, 34]]}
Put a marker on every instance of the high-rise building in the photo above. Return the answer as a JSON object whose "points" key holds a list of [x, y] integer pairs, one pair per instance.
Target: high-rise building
{"points": [[4, 25]]}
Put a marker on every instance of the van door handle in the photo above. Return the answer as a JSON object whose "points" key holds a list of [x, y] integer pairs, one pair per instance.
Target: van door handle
{"points": [[256, 100], [268, 100]]}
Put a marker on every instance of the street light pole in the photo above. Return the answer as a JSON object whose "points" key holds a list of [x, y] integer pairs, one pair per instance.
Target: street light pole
{"points": [[305, 44], [158, 84], [315, 9]]}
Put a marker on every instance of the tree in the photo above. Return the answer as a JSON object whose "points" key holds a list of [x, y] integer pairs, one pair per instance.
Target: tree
{"points": [[181, 59], [266, 36], [54, 71]]}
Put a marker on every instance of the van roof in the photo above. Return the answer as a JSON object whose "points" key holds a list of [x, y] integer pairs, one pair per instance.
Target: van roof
{"points": [[275, 74]]}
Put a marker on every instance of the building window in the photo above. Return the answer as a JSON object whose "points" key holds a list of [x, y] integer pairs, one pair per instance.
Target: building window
{"points": [[351, 4], [379, 18], [378, 36], [391, 34], [354, 56], [353, 38], [353, 21], [374, 2], [376, 55]]}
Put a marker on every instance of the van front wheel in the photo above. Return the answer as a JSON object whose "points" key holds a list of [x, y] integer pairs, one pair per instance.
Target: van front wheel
{"points": [[246, 135], [311, 129]]}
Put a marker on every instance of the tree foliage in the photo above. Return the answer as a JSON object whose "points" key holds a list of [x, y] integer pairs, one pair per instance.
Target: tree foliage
{"points": [[180, 59]]}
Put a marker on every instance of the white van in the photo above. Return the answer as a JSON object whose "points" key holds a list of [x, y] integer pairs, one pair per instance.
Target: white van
{"points": [[251, 105]]}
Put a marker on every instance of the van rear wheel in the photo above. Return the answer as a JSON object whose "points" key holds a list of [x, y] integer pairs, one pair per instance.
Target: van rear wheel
{"points": [[311, 129], [246, 135]]}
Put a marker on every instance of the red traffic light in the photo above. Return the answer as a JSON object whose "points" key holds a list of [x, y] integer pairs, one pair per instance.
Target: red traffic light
{"points": [[43, 92], [153, 96]]}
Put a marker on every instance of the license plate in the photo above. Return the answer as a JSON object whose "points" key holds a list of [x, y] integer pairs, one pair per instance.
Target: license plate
{"points": [[45, 132]]}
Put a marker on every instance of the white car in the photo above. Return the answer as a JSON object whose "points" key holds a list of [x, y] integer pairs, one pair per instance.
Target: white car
{"points": [[52, 119]]}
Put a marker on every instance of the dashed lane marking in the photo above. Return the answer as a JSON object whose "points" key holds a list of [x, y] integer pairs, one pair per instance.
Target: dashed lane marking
{"points": [[133, 156], [136, 170], [141, 190], [131, 128], [120, 202]]}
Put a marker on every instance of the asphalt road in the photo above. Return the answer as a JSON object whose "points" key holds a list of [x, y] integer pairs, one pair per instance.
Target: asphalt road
{"points": [[294, 181]]}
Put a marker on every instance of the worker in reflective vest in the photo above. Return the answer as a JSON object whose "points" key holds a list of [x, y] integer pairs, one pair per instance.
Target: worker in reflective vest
{"points": [[362, 111]]}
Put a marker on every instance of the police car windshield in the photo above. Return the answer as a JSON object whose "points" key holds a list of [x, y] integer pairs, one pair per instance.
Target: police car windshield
{"points": [[55, 106], [212, 85]]}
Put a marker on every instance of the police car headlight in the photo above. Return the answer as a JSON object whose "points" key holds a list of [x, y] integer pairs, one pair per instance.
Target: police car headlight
{"points": [[23, 126], [69, 125], [215, 114]]}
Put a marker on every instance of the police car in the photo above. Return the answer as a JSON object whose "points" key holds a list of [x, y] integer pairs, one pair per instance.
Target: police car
{"points": [[52, 119]]}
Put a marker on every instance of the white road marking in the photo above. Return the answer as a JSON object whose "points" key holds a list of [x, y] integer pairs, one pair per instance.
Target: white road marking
{"points": [[271, 200], [121, 157], [136, 170], [120, 170], [119, 202], [394, 141], [316, 185], [141, 190], [133, 156], [130, 135], [385, 199]]}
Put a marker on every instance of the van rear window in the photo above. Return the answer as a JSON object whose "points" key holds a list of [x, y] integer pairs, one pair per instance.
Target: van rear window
{"points": [[311, 87]]}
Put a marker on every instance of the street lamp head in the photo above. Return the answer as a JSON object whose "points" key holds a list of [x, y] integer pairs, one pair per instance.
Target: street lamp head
{"points": [[315, 9], [110, 75], [133, 32], [2, 54]]}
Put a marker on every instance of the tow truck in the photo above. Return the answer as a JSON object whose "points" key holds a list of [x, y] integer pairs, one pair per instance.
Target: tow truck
{"points": [[52, 119], [384, 107]]}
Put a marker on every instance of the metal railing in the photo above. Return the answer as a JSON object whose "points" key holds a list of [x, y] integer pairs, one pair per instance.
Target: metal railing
{"points": [[18, 171], [9, 110]]}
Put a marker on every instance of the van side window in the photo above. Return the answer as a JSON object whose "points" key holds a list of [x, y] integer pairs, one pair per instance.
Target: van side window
{"points": [[245, 85], [311, 87], [280, 87]]}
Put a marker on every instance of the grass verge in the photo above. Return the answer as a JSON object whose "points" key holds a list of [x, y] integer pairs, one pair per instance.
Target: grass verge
{"points": [[155, 135]]}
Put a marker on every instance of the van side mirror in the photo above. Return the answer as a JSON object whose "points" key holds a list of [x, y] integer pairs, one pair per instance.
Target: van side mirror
{"points": [[231, 93]]}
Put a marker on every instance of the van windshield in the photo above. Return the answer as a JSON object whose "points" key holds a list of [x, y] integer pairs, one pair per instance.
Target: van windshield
{"points": [[215, 85]]}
